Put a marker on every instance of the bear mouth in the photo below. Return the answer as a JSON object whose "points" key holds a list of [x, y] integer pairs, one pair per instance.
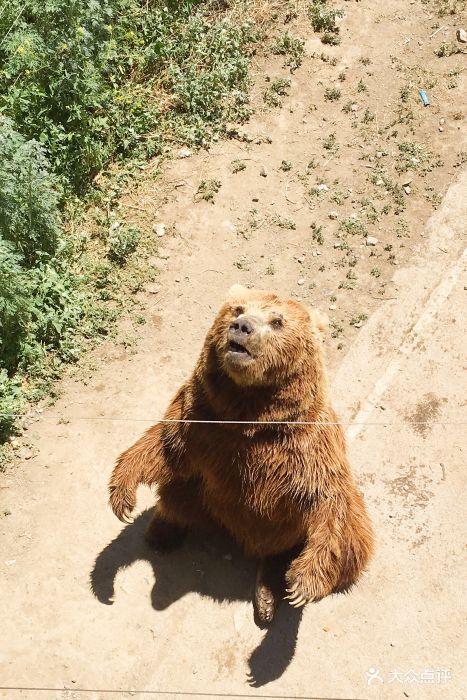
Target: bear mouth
{"points": [[237, 351]]}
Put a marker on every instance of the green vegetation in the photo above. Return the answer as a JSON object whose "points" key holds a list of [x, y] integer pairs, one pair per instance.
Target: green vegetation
{"points": [[84, 84], [324, 18], [278, 88], [332, 94], [291, 47], [207, 189]]}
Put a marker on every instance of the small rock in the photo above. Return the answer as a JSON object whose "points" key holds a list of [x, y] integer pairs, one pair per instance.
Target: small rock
{"points": [[461, 36], [371, 240], [263, 172], [322, 188], [357, 325], [301, 260], [440, 128], [178, 279], [159, 230], [333, 215], [407, 189], [301, 281], [332, 307], [326, 628], [153, 288], [379, 182], [255, 199], [114, 226], [379, 154], [184, 153], [354, 107], [338, 245], [441, 122]]}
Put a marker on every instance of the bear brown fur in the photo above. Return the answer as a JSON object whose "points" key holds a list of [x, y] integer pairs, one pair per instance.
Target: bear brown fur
{"points": [[271, 467]]}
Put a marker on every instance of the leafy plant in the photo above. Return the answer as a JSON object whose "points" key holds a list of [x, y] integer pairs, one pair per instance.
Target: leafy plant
{"points": [[278, 88], [291, 47]]}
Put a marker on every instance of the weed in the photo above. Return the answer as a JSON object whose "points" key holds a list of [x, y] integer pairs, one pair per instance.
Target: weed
{"points": [[376, 272], [415, 156], [278, 88], [317, 233], [207, 190], [342, 76], [353, 226], [349, 107], [324, 18], [358, 320], [336, 328], [332, 94], [122, 243], [330, 39], [332, 60], [103, 64], [448, 49], [282, 222], [285, 166], [368, 116], [362, 87], [364, 60], [338, 197], [237, 166], [330, 143], [292, 48], [270, 270]]}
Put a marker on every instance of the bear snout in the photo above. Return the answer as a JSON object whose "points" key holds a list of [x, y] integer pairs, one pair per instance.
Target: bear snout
{"points": [[242, 327]]}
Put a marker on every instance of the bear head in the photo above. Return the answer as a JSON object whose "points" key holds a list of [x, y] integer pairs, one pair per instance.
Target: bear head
{"points": [[261, 339]]}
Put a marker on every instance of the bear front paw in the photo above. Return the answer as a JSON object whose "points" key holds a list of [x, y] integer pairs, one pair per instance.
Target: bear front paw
{"points": [[303, 589], [122, 505]]}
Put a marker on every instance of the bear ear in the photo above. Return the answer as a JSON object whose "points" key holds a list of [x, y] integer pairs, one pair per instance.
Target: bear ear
{"points": [[319, 319], [237, 291]]}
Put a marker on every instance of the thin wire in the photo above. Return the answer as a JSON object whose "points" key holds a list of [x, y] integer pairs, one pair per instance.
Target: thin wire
{"points": [[177, 692], [227, 422]]}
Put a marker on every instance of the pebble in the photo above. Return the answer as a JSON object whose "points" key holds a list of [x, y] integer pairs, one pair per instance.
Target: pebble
{"points": [[332, 307], [301, 281], [407, 189], [371, 240], [333, 215], [159, 230], [178, 279], [184, 153], [462, 36], [322, 188], [263, 172]]}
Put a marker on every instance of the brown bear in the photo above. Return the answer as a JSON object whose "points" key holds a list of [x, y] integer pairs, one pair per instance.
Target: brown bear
{"points": [[255, 447]]}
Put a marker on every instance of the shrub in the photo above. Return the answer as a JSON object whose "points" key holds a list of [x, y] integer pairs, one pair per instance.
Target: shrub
{"points": [[93, 79]]}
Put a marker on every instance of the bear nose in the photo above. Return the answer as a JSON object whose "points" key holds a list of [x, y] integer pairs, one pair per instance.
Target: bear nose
{"points": [[242, 326]]}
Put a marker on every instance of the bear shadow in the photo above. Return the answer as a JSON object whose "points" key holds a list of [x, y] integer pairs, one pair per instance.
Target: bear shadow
{"points": [[211, 565]]}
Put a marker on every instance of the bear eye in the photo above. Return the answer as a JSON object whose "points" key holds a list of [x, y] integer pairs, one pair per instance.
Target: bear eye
{"points": [[277, 322], [239, 310]]}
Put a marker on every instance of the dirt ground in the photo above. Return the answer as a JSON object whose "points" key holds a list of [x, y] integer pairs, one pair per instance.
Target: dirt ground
{"points": [[88, 611]]}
